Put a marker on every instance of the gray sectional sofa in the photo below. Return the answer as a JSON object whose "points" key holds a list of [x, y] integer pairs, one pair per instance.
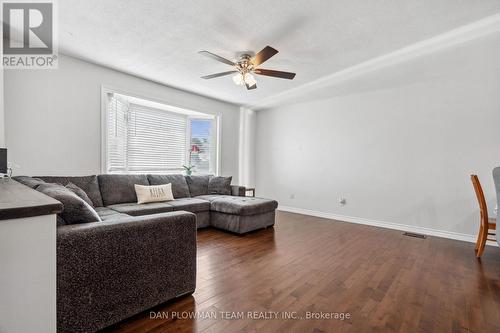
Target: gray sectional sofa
{"points": [[135, 256], [113, 197]]}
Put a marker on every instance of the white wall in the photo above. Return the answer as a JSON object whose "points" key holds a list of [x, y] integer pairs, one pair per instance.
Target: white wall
{"points": [[2, 119], [53, 117], [247, 147], [399, 143]]}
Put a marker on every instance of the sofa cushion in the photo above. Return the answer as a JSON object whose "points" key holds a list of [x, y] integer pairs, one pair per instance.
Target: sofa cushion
{"points": [[192, 205], [28, 181], [180, 188], [79, 192], [212, 197], [75, 210], [136, 209], [243, 205], [108, 214], [89, 184], [198, 185], [219, 185], [117, 189]]}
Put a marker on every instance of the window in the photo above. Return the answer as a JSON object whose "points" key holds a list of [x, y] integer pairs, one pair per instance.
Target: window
{"points": [[201, 149], [148, 137]]}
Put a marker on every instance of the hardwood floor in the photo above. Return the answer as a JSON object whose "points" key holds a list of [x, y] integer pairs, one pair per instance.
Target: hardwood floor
{"points": [[385, 281]]}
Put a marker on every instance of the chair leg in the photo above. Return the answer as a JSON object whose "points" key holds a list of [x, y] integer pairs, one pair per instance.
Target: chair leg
{"points": [[478, 238], [482, 243]]}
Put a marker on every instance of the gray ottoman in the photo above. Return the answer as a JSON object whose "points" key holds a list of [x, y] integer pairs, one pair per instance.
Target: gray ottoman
{"points": [[242, 214]]}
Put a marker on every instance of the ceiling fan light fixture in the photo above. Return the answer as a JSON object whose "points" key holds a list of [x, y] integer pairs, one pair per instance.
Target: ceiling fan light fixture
{"points": [[238, 79], [246, 66], [250, 80]]}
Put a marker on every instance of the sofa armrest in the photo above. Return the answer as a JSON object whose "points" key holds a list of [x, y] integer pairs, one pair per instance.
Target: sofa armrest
{"points": [[108, 271], [238, 191]]}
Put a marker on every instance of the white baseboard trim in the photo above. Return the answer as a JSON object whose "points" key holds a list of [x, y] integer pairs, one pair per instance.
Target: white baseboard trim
{"points": [[384, 224]]}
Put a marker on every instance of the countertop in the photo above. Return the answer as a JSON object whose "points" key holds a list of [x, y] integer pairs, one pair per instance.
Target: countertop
{"points": [[18, 201]]}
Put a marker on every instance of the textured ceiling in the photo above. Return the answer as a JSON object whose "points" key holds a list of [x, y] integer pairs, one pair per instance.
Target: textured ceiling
{"points": [[159, 40]]}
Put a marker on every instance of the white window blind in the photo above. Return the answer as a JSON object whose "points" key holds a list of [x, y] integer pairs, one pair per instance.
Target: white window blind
{"points": [[116, 133], [141, 138], [156, 140]]}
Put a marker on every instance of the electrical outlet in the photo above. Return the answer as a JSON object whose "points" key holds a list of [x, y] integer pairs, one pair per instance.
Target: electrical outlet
{"points": [[292, 196], [342, 201]]}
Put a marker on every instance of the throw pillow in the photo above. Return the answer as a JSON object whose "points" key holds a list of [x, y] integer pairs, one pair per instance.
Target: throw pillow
{"points": [[220, 185], [155, 193], [75, 209], [198, 185], [79, 192]]}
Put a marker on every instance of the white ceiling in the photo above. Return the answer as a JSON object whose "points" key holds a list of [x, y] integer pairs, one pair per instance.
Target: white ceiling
{"points": [[160, 40]]}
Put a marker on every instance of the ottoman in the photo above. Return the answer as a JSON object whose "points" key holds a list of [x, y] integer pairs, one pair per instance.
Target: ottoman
{"points": [[242, 214]]}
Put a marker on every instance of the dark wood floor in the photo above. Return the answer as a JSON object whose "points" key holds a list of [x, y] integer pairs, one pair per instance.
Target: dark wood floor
{"points": [[385, 281]]}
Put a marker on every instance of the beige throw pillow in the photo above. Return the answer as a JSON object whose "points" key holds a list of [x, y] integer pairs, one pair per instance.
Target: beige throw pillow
{"points": [[156, 193]]}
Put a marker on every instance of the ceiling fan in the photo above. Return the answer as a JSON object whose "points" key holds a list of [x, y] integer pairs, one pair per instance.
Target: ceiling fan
{"points": [[246, 66]]}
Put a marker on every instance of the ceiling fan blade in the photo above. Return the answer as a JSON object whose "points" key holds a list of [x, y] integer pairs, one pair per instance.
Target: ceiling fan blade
{"points": [[263, 55], [270, 72], [251, 87], [217, 57], [211, 76]]}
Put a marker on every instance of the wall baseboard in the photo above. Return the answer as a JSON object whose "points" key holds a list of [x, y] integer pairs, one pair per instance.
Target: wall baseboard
{"points": [[384, 224]]}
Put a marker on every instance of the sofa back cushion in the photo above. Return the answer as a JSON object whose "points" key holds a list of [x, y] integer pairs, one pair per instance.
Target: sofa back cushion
{"points": [[220, 185], [180, 188], [117, 189], [198, 185], [28, 181], [89, 184], [75, 209]]}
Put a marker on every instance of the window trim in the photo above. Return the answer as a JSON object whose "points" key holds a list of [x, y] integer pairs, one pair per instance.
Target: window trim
{"points": [[106, 89]]}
